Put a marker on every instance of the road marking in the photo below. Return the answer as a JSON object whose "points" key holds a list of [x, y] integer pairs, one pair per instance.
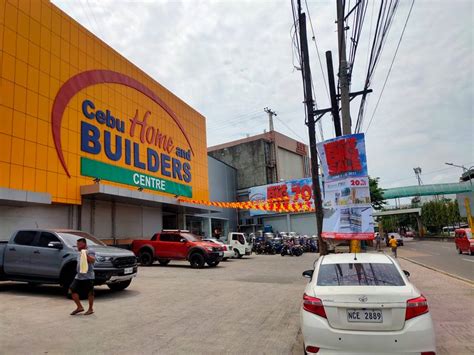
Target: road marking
{"points": [[472, 261]]}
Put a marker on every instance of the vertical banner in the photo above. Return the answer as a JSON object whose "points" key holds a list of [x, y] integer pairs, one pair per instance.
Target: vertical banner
{"points": [[346, 205]]}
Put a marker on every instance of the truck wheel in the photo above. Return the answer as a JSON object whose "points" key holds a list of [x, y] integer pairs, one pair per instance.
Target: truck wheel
{"points": [[146, 258], [459, 250], [119, 286], [237, 254], [213, 263], [197, 261], [164, 262], [471, 252]]}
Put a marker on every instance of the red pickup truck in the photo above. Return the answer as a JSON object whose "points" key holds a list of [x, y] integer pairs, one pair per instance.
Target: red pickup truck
{"points": [[177, 245]]}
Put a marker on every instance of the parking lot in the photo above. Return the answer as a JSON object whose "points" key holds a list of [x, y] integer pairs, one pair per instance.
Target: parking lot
{"points": [[242, 306]]}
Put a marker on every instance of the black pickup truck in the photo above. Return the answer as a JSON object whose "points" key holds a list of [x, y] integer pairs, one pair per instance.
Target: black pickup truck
{"points": [[40, 256]]}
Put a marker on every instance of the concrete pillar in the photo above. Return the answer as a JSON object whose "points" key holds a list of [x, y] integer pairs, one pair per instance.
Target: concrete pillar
{"points": [[181, 220], [288, 222], [92, 216]]}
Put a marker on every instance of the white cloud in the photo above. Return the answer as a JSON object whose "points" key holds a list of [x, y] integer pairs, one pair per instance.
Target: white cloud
{"points": [[230, 59]]}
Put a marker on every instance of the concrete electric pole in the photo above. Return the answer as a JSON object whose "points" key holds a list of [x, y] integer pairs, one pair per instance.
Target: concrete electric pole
{"points": [[343, 71], [309, 102], [270, 117]]}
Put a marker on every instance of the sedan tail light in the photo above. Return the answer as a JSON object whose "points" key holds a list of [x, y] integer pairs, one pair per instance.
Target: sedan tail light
{"points": [[312, 349], [313, 305], [416, 307], [225, 248], [428, 353]]}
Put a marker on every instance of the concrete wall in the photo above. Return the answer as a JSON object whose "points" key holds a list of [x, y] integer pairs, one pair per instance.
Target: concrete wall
{"points": [[290, 165], [131, 221], [222, 187], [43, 216], [301, 223], [249, 160]]}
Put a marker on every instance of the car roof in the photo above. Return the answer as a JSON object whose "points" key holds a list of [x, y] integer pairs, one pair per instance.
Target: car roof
{"points": [[349, 258]]}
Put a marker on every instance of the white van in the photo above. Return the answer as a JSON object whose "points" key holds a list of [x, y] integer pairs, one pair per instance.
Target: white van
{"points": [[239, 243]]}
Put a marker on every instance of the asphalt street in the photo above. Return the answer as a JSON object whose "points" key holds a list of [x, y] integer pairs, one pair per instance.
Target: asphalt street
{"points": [[440, 255], [248, 306]]}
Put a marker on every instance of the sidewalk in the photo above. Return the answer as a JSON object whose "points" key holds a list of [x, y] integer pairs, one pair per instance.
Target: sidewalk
{"points": [[451, 303]]}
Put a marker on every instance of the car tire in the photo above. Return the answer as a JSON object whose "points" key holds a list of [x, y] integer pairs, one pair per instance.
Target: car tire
{"points": [[164, 262], [213, 263], [237, 254], [224, 259], [197, 261], [120, 286], [145, 258], [459, 250], [471, 252]]}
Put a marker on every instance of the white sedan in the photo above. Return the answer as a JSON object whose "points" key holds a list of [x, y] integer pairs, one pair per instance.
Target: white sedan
{"points": [[364, 304], [228, 250]]}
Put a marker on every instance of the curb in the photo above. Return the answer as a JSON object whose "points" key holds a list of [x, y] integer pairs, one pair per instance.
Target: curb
{"points": [[438, 270]]}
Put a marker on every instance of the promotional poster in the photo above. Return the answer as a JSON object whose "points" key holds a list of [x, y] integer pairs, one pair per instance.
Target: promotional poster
{"points": [[347, 208], [300, 190]]}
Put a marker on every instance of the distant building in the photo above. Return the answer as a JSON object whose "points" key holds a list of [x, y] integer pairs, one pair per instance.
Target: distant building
{"points": [[264, 159]]}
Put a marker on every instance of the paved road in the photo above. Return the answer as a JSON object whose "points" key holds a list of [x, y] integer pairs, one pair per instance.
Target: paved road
{"points": [[247, 306], [440, 255]]}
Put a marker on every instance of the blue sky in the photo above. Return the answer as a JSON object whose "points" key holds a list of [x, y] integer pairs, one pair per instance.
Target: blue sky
{"points": [[230, 59]]}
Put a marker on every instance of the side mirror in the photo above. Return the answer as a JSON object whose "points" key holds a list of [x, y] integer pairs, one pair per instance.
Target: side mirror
{"points": [[308, 274], [407, 274], [183, 240], [55, 245]]}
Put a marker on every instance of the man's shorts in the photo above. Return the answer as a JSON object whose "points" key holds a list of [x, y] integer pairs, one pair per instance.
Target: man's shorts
{"points": [[82, 287]]}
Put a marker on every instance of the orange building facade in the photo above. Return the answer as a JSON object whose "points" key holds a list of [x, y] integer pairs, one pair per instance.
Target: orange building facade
{"points": [[85, 133]]}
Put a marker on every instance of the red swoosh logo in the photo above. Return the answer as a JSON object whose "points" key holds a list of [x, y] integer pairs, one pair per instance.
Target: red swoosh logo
{"points": [[92, 77]]}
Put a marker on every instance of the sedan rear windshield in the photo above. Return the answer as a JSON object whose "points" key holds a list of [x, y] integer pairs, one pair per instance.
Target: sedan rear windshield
{"points": [[359, 274]]}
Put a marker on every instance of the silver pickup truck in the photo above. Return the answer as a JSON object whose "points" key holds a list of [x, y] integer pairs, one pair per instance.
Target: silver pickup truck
{"points": [[50, 256]]}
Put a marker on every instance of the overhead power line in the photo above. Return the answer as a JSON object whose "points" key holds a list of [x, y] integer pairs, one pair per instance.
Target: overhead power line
{"points": [[384, 22], [317, 50], [391, 65]]}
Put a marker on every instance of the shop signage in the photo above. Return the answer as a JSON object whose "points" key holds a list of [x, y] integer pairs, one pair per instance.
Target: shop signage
{"points": [[287, 192], [100, 170], [132, 141], [347, 208]]}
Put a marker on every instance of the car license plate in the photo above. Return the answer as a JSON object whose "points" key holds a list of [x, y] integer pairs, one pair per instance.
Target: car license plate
{"points": [[364, 315], [128, 270]]}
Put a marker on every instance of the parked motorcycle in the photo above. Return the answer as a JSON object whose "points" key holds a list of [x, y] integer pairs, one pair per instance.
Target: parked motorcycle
{"points": [[291, 250]]}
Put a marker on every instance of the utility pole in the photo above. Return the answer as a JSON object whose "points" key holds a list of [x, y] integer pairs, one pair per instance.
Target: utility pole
{"points": [[270, 117], [273, 153], [343, 71], [418, 175], [308, 99], [332, 93]]}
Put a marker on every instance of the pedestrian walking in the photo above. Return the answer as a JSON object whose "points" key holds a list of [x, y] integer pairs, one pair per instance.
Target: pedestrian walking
{"points": [[84, 281], [378, 239], [394, 245]]}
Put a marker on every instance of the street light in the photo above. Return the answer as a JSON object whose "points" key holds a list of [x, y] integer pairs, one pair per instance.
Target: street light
{"points": [[464, 170], [458, 166]]}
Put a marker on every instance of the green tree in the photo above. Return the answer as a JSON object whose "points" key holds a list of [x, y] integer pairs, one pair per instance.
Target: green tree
{"points": [[440, 213], [376, 194]]}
